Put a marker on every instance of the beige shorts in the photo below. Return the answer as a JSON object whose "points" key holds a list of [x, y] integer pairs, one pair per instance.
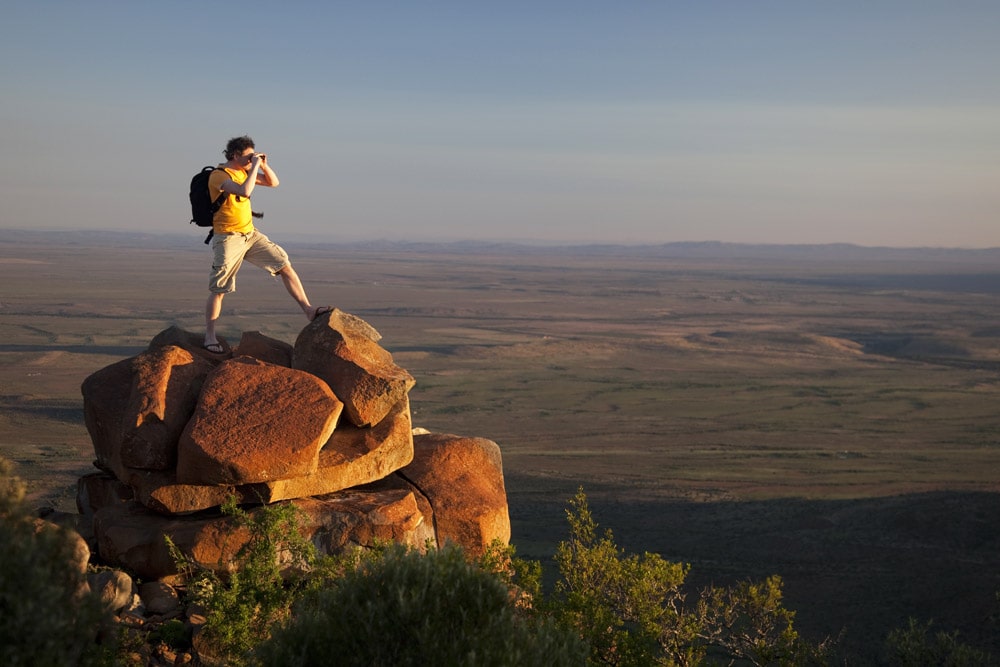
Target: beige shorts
{"points": [[229, 251]]}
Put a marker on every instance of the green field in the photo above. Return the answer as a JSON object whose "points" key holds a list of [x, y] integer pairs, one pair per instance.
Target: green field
{"points": [[833, 421]]}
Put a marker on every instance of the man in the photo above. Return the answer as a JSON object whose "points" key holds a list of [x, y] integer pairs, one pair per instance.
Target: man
{"points": [[236, 239]]}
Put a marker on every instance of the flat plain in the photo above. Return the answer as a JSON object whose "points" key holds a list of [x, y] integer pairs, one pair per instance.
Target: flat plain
{"points": [[829, 418]]}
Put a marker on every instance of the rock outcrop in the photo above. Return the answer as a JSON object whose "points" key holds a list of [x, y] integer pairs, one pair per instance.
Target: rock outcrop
{"points": [[324, 424], [343, 350]]}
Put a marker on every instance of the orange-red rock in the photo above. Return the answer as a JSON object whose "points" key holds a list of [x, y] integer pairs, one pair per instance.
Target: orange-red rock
{"points": [[463, 480], [257, 345], [105, 394], [256, 422], [351, 457], [343, 350], [260, 424], [166, 382]]}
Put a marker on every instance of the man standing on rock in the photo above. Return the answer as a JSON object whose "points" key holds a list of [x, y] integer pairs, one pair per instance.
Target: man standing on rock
{"points": [[236, 239]]}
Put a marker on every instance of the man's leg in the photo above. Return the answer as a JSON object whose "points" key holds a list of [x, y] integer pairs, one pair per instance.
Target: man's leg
{"points": [[298, 292], [213, 308], [228, 251]]}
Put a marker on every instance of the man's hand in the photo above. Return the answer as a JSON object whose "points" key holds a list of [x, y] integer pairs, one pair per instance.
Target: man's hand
{"points": [[265, 175]]}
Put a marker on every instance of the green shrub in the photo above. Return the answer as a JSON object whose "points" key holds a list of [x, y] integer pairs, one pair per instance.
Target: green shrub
{"points": [[915, 646], [268, 574], [627, 608], [631, 610], [411, 609], [748, 622], [522, 577], [173, 633], [45, 619]]}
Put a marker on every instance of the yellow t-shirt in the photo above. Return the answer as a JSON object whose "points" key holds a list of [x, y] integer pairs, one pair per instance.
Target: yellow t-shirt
{"points": [[234, 214]]}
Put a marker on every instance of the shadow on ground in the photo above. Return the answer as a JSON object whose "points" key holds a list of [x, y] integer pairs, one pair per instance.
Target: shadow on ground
{"points": [[862, 566]]}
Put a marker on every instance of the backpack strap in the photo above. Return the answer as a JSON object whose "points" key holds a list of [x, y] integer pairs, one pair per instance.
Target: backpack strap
{"points": [[216, 205]]}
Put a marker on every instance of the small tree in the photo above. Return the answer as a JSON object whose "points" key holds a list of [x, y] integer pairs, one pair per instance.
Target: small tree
{"points": [[627, 608]]}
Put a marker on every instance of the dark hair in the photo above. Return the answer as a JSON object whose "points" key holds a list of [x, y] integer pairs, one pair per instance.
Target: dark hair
{"points": [[237, 145]]}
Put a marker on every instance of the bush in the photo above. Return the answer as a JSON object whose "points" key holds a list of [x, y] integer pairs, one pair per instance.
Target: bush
{"points": [[914, 646], [627, 608], [748, 622], [411, 609], [631, 609], [267, 576], [46, 617]]}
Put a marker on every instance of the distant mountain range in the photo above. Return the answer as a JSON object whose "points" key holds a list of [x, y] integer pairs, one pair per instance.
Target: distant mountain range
{"points": [[677, 250]]}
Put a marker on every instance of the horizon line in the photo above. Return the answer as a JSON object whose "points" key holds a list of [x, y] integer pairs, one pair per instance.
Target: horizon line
{"points": [[533, 243]]}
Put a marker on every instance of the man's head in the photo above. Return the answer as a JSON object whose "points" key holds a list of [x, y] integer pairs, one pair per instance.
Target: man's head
{"points": [[237, 146]]}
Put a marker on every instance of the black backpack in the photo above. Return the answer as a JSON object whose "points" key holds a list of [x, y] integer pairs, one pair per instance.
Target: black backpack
{"points": [[203, 209]]}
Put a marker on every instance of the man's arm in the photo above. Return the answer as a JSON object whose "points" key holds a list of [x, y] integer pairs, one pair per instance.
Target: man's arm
{"points": [[266, 175], [246, 187]]}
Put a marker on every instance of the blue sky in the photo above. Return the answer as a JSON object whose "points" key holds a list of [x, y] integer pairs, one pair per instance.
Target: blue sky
{"points": [[876, 123]]}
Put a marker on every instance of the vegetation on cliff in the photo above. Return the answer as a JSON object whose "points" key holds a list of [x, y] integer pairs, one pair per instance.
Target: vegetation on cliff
{"points": [[283, 605]]}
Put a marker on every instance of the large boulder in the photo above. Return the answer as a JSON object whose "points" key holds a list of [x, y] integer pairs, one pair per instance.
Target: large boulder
{"points": [[343, 350], [462, 479], [166, 382], [136, 409], [134, 538], [256, 422], [105, 394]]}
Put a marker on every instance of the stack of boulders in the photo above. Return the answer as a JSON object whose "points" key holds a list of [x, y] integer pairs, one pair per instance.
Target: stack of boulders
{"points": [[323, 424]]}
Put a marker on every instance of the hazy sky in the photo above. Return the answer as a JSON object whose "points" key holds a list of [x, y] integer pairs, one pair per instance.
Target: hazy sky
{"points": [[869, 122]]}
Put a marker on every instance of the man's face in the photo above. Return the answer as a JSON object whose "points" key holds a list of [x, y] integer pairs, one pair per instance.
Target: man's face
{"points": [[243, 159]]}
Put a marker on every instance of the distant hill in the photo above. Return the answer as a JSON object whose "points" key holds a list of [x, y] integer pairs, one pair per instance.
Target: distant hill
{"points": [[678, 250], [690, 250]]}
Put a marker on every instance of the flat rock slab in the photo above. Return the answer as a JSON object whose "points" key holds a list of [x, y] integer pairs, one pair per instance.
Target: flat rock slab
{"points": [[133, 537], [351, 457]]}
